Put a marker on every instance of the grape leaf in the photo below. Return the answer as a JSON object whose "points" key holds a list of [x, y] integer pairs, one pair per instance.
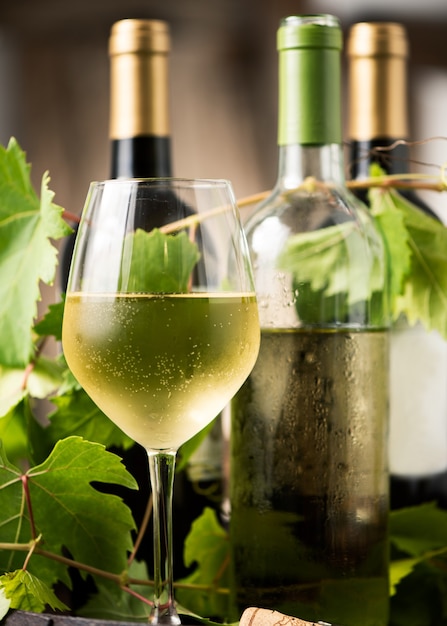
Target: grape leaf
{"points": [[187, 449], [27, 255], [21, 433], [336, 270], [417, 245], [322, 259], [421, 533], [67, 511], [206, 545], [124, 607], [420, 598], [399, 569], [77, 414], [39, 381], [420, 529], [5, 603], [424, 295], [14, 435], [158, 263], [12, 389], [127, 607], [391, 223], [51, 324], [417, 249], [27, 593]]}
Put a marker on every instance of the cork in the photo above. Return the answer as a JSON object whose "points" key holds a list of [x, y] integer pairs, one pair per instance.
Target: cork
{"points": [[267, 617]]}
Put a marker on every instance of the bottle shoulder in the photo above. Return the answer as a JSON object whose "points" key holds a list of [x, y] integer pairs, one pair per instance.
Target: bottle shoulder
{"points": [[307, 208], [320, 249]]}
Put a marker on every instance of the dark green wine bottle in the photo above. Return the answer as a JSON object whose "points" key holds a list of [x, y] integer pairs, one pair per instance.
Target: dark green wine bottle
{"points": [[378, 133]]}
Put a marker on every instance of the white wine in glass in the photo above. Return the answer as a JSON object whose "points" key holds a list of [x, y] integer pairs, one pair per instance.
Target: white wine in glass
{"points": [[161, 324]]}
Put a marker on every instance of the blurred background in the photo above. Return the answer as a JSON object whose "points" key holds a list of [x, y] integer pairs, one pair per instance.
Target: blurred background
{"points": [[54, 84]]}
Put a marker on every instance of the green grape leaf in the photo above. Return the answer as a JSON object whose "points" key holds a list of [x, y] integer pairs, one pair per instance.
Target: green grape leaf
{"points": [[27, 255], [14, 433], [27, 593], [418, 578], [189, 447], [21, 433], [51, 324], [207, 546], [77, 414], [329, 268], [158, 263], [5, 603], [12, 388], [391, 222], [45, 377], [125, 607], [399, 569], [319, 259], [39, 381], [418, 530], [68, 512], [424, 295], [417, 245], [420, 598]]}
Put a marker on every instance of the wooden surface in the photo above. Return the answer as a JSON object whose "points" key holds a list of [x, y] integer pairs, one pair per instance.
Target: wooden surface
{"points": [[22, 618]]}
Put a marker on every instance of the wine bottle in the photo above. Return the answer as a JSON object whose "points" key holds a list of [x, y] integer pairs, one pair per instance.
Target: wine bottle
{"points": [[309, 481], [139, 134], [140, 147], [378, 132]]}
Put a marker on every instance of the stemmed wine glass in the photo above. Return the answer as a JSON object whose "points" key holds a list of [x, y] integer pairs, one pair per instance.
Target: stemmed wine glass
{"points": [[160, 324]]}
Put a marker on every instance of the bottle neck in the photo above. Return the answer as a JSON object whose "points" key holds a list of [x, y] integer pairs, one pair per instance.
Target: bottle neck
{"points": [[377, 97], [309, 97], [299, 162], [146, 156], [392, 156], [139, 100], [309, 123]]}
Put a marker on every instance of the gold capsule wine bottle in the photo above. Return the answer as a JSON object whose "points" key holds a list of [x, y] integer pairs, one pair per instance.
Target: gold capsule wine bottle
{"points": [[309, 481], [140, 147], [378, 133]]}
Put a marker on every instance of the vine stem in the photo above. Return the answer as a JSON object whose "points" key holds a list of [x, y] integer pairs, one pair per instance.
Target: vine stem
{"points": [[29, 506], [137, 595], [399, 181], [71, 217], [122, 580], [40, 346], [30, 552], [142, 529]]}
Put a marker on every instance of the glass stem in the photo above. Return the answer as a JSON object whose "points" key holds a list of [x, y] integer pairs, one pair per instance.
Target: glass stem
{"points": [[161, 468]]}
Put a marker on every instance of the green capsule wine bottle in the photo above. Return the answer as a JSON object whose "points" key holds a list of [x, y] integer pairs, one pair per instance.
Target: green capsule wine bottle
{"points": [[309, 472]]}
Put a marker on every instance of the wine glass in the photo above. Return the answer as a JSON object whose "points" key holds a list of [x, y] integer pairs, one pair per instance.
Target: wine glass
{"points": [[161, 325]]}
